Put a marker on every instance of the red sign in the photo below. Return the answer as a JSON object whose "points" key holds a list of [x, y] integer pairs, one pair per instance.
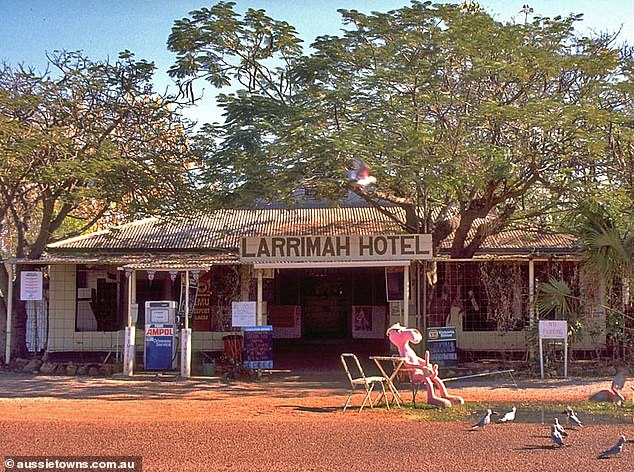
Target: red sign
{"points": [[202, 308], [159, 332]]}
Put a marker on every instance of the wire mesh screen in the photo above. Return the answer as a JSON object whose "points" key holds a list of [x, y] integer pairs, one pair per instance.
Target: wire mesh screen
{"points": [[486, 296]]}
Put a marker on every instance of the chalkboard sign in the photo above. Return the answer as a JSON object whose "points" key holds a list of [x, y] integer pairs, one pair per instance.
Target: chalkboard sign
{"points": [[258, 347], [441, 343]]}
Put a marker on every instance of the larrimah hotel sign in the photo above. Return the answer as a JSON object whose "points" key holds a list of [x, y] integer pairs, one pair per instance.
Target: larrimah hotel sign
{"points": [[336, 247]]}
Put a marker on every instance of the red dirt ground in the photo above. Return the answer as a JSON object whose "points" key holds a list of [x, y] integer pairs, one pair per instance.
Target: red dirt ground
{"points": [[291, 423]]}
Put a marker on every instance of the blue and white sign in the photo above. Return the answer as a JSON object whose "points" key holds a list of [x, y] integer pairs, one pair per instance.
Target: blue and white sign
{"points": [[160, 346]]}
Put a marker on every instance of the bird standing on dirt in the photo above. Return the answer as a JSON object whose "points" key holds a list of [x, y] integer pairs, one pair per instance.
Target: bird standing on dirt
{"points": [[508, 416], [560, 429], [618, 383], [572, 418], [556, 437], [485, 420], [614, 450]]}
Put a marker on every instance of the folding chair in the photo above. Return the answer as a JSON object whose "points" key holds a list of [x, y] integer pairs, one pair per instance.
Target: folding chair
{"points": [[360, 380]]}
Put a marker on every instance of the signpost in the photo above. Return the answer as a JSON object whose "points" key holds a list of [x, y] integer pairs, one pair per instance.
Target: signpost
{"points": [[553, 329], [442, 345]]}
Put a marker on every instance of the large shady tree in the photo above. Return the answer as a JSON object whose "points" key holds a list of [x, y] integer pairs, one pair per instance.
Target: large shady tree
{"points": [[461, 118], [82, 142]]}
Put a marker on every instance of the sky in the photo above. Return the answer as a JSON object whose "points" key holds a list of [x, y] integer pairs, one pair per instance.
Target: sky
{"points": [[102, 28]]}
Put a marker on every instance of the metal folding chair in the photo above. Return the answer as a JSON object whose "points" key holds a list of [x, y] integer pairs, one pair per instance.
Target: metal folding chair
{"points": [[358, 379]]}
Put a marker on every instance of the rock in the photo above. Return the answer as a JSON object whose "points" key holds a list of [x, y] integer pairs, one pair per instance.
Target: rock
{"points": [[71, 369], [60, 370], [32, 366], [18, 364], [47, 368], [82, 369], [106, 370], [93, 371]]}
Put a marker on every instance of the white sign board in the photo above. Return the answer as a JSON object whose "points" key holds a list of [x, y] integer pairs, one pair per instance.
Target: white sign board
{"points": [[243, 314], [30, 285], [553, 329]]}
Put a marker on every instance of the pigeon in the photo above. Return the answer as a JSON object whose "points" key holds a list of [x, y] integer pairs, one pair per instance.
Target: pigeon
{"points": [[614, 450], [572, 418], [618, 381], [485, 420], [556, 437], [508, 416], [560, 429], [360, 177]]}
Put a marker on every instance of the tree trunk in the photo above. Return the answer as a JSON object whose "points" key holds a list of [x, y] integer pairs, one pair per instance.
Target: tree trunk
{"points": [[4, 290], [18, 331]]}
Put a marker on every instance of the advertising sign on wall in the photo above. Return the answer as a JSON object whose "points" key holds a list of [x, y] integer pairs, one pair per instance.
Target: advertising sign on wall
{"points": [[201, 320], [394, 283], [368, 322], [30, 285], [286, 321], [242, 314]]}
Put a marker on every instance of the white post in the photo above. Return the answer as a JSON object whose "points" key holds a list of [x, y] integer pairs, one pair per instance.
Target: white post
{"points": [[531, 303], [186, 352], [129, 351], [541, 357], [566, 357], [259, 314], [186, 314], [406, 296], [7, 349], [129, 333], [186, 336]]}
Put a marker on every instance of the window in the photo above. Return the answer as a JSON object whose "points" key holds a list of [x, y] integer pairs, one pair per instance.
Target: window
{"points": [[98, 299]]}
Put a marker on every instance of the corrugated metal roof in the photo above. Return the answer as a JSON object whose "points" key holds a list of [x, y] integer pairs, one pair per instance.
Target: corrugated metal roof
{"points": [[221, 230], [136, 261], [523, 241]]}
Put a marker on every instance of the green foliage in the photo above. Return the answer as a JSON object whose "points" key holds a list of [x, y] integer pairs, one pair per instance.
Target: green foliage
{"points": [[84, 142], [460, 117]]}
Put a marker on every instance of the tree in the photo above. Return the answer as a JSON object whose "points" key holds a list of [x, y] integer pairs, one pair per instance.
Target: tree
{"points": [[461, 118], [84, 141]]}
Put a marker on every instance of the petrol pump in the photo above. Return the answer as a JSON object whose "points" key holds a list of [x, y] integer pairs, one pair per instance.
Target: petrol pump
{"points": [[160, 335]]}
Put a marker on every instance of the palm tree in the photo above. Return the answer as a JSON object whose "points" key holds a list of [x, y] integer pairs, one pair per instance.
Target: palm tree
{"points": [[609, 251]]}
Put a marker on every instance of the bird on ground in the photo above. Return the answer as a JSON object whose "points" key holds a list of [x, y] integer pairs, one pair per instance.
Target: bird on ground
{"points": [[360, 176], [572, 418], [619, 380], [618, 383], [614, 450], [485, 420], [508, 416], [560, 429], [556, 437]]}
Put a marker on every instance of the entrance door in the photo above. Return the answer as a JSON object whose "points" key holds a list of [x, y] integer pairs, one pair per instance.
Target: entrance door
{"points": [[325, 317]]}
